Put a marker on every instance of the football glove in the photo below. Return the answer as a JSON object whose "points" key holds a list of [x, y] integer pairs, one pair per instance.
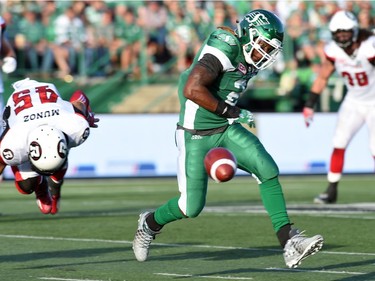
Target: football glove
{"points": [[80, 96], [308, 115], [246, 117], [9, 64], [91, 119]]}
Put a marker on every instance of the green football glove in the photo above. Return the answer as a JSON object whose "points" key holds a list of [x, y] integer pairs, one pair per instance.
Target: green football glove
{"points": [[246, 117]]}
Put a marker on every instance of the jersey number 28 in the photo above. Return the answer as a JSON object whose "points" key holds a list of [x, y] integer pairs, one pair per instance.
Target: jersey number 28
{"points": [[360, 78]]}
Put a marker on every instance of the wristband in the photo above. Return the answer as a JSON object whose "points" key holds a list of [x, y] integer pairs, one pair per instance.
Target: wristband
{"points": [[228, 111], [312, 99]]}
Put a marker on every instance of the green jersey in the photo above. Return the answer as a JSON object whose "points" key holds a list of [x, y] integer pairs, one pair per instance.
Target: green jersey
{"points": [[236, 72]]}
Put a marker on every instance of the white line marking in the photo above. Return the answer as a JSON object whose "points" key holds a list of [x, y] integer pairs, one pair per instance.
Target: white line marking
{"points": [[336, 209], [205, 276], [65, 279], [171, 245], [315, 271]]}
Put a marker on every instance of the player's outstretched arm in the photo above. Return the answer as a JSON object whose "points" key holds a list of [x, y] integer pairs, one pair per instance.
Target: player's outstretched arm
{"points": [[81, 102], [317, 88]]}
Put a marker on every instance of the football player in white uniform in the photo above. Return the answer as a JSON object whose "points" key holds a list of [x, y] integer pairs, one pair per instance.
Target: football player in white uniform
{"points": [[352, 54], [39, 129]]}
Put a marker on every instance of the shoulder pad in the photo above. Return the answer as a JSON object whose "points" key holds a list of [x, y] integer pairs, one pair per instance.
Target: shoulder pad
{"points": [[369, 47], [225, 42], [331, 50]]}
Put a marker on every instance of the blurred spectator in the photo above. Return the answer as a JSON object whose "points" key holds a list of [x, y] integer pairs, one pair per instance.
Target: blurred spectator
{"points": [[100, 36], [299, 55], [70, 35], [48, 17], [224, 15], [12, 27], [94, 12], [34, 44], [152, 18], [126, 51], [199, 18], [182, 40], [99, 27], [366, 20]]}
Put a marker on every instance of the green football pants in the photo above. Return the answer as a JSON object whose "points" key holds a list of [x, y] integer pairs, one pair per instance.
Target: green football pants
{"points": [[192, 178]]}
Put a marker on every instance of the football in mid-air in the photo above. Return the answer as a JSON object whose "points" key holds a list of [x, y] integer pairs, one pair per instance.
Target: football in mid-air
{"points": [[220, 164]]}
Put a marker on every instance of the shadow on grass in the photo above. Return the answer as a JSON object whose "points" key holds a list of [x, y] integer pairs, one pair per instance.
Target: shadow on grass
{"points": [[216, 255], [74, 254]]}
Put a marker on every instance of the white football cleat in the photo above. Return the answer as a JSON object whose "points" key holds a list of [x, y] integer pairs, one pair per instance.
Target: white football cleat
{"points": [[143, 238], [300, 247]]}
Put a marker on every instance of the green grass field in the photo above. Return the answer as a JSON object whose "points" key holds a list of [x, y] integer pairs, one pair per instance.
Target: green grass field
{"points": [[90, 238]]}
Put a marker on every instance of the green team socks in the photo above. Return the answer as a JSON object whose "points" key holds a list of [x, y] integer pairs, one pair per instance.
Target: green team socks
{"points": [[168, 212], [274, 203]]}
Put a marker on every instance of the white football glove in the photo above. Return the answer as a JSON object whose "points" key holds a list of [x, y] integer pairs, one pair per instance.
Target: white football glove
{"points": [[308, 115], [9, 65]]}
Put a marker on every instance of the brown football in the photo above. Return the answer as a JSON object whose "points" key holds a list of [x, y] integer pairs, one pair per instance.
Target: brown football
{"points": [[220, 164]]}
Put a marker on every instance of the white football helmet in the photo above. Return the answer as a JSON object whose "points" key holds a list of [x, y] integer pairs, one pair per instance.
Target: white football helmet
{"points": [[48, 149], [344, 21]]}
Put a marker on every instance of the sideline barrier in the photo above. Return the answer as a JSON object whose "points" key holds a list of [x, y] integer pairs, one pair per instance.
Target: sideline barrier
{"points": [[143, 146]]}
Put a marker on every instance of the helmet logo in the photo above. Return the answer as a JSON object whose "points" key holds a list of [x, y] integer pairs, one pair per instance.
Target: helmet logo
{"points": [[8, 154], [257, 19], [61, 149], [35, 151], [350, 16]]}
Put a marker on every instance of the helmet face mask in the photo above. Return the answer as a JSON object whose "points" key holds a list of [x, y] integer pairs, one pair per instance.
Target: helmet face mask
{"points": [[344, 28], [343, 38], [48, 149], [261, 34]]}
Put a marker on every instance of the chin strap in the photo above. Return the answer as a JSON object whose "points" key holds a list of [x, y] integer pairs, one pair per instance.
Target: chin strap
{"points": [[239, 30]]}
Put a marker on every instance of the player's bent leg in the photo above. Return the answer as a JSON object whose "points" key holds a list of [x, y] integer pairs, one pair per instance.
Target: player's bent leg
{"points": [[334, 175], [143, 238], [55, 189], [150, 224], [329, 196], [43, 196], [27, 186], [54, 185]]}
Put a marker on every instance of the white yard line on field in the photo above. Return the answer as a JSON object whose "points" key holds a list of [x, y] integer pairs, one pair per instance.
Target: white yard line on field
{"points": [[316, 271], [66, 279], [303, 209], [168, 244], [204, 276]]}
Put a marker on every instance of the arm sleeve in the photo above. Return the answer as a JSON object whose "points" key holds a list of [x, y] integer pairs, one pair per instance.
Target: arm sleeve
{"points": [[212, 63]]}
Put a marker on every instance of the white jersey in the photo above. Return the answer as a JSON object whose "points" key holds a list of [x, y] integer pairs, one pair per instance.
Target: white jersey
{"points": [[33, 104], [357, 71]]}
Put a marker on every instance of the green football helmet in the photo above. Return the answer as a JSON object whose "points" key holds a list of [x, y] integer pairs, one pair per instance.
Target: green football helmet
{"points": [[262, 31]]}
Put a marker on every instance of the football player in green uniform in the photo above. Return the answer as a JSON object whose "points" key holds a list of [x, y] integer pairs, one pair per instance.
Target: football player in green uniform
{"points": [[209, 117]]}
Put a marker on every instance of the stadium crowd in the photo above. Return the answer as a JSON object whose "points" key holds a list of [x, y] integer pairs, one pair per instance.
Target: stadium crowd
{"points": [[61, 39]]}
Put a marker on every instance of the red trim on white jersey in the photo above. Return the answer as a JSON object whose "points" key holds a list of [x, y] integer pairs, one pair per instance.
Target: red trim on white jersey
{"points": [[357, 70]]}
